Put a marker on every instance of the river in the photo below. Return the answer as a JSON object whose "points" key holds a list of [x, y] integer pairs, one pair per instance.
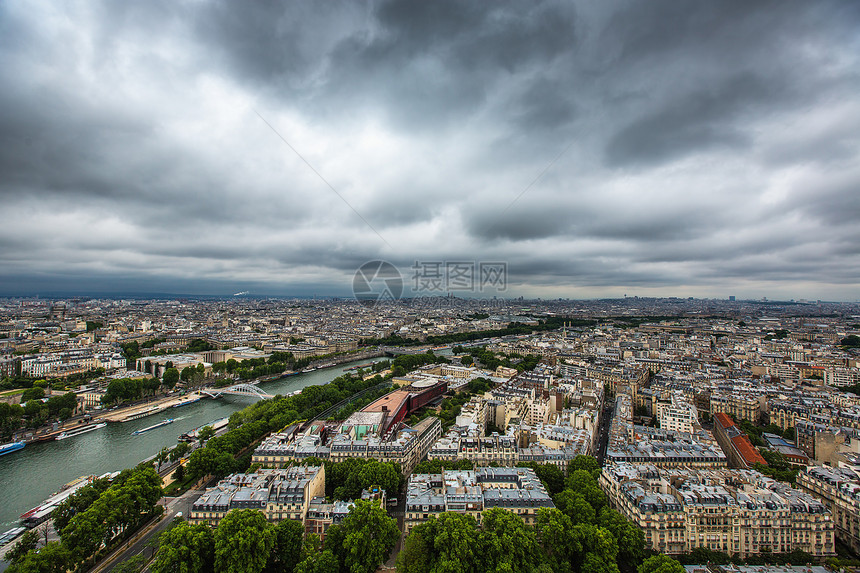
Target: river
{"points": [[29, 476]]}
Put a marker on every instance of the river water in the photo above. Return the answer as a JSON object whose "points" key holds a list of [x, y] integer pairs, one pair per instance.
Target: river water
{"points": [[30, 475]]}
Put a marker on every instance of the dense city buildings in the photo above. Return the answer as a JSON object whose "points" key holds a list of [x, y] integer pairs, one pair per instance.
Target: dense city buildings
{"points": [[839, 488], [692, 418], [517, 490], [278, 493], [360, 436], [732, 511]]}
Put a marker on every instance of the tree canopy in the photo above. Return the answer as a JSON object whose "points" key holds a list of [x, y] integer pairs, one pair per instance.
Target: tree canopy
{"points": [[244, 540]]}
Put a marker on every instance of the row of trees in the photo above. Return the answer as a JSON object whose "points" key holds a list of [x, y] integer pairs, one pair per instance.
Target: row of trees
{"points": [[91, 520], [127, 389], [245, 542], [701, 555], [35, 412], [69, 381], [405, 363], [277, 363]]}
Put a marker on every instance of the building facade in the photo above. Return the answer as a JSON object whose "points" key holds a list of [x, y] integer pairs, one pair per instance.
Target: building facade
{"points": [[279, 493], [517, 490], [732, 511]]}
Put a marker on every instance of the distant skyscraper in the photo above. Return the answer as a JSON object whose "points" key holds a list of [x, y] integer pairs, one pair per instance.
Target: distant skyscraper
{"points": [[732, 297]]}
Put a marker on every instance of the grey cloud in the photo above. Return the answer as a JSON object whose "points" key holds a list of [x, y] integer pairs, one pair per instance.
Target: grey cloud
{"points": [[691, 123], [708, 144]]}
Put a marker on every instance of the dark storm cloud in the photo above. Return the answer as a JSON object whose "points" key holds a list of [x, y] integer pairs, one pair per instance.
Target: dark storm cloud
{"points": [[591, 146], [692, 123]]}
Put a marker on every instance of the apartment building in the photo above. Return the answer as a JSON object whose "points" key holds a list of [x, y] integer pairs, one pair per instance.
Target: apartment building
{"points": [[733, 511], [641, 444], [322, 515], [741, 406], [279, 493], [841, 376], [545, 444], [839, 489], [357, 437], [517, 490], [678, 416]]}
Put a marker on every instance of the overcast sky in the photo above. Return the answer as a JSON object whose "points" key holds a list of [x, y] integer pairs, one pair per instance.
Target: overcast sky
{"points": [[683, 148]]}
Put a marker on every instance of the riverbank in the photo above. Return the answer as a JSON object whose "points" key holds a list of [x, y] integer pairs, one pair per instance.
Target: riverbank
{"points": [[154, 407], [32, 474]]}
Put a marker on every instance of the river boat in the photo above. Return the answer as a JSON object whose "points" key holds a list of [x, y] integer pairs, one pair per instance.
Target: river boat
{"points": [[214, 424], [10, 535], [81, 430], [11, 447], [186, 402], [43, 511], [152, 427]]}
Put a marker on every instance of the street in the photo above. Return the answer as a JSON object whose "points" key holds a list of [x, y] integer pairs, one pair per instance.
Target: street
{"points": [[603, 440], [139, 544]]}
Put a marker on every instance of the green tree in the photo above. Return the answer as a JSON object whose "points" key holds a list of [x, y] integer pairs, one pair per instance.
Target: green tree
{"points": [[851, 341], [34, 393], [288, 546], [209, 461], [324, 562], [24, 545], [243, 542], [575, 507], [52, 558], [601, 549], [368, 535], [179, 451], [77, 503], [162, 456], [452, 539], [187, 373], [631, 539], [583, 483], [506, 543], [587, 463], [661, 564], [170, 378], [205, 433], [418, 552], [562, 549], [185, 548]]}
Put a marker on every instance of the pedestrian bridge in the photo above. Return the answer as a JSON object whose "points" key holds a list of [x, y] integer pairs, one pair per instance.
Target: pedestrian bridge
{"points": [[247, 390]]}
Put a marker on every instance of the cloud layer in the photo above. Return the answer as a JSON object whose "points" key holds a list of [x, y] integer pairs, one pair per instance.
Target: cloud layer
{"points": [[646, 148]]}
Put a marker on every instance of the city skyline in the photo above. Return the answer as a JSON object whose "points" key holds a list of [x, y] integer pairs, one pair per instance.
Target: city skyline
{"points": [[657, 149]]}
